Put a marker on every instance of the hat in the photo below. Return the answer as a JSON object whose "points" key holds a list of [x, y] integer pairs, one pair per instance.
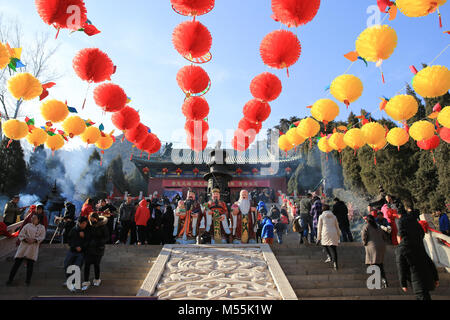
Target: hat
{"points": [[215, 190], [16, 196], [82, 219]]}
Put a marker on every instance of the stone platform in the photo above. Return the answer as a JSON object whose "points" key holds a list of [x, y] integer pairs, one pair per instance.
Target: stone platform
{"points": [[219, 272]]}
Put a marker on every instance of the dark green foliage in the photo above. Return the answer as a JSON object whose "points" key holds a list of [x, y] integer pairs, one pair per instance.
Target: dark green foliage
{"points": [[115, 174], [13, 169], [137, 183]]}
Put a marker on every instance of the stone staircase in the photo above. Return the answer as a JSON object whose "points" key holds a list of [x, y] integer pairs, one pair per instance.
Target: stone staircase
{"points": [[312, 279], [123, 270]]}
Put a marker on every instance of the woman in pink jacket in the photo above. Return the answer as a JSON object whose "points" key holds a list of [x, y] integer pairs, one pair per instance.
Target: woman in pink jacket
{"points": [[141, 218]]}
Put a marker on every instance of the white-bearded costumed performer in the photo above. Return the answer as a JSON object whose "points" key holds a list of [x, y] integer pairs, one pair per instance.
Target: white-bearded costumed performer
{"points": [[244, 226], [187, 220], [217, 219]]}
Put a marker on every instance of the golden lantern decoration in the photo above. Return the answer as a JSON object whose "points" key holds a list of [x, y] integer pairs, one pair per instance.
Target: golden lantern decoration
{"points": [[37, 137], [294, 138], [324, 145], [422, 130], [54, 111], [54, 142], [91, 135], [354, 138], [397, 137], [444, 117], [336, 141], [418, 8], [377, 43], [74, 126], [24, 86], [347, 88], [15, 129], [432, 82], [284, 144], [402, 107], [308, 128], [325, 110], [373, 133], [4, 56], [104, 142]]}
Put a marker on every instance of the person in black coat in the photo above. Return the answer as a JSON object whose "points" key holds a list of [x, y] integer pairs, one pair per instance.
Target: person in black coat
{"points": [[340, 210], [77, 240], [154, 224], [413, 263], [110, 212], [69, 220], [167, 221], [97, 237]]}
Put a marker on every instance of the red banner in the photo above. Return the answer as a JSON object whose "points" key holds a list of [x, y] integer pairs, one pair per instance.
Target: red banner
{"points": [[179, 183]]}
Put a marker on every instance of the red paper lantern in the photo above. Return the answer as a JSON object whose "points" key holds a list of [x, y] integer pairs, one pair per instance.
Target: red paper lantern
{"points": [[196, 129], [146, 143], [429, 144], [196, 171], [257, 111], [156, 146], [93, 65], [192, 39], [246, 125], [280, 49], [445, 134], [110, 97], [238, 147], [195, 108], [126, 119], [266, 87], [242, 140], [137, 134], [58, 13], [146, 170], [193, 80], [294, 13], [192, 7], [197, 145]]}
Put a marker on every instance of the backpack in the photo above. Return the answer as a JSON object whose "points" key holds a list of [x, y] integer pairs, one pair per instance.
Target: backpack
{"points": [[284, 219], [296, 226]]}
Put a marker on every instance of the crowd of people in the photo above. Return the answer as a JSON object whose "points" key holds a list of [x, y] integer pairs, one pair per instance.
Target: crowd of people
{"points": [[158, 220]]}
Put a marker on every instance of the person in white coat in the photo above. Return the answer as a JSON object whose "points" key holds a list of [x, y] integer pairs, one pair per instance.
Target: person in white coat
{"points": [[30, 239], [328, 234]]}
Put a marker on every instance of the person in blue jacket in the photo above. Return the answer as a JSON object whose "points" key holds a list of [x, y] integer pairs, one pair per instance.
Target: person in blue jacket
{"points": [[444, 224], [267, 231]]}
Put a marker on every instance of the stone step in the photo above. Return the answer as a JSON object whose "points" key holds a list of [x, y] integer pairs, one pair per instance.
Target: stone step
{"points": [[376, 298], [332, 277], [361, 283]]}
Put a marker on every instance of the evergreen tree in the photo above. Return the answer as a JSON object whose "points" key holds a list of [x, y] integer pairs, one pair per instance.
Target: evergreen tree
{"points": [[38, 182], [115, 174], [137, 183], [13, 169]]}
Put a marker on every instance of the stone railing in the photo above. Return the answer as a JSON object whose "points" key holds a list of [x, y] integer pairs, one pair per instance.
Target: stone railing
{"points": [[7, 246], [437, 245]]}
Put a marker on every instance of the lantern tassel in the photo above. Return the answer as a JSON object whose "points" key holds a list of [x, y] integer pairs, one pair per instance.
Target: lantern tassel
{"points": [[85, 97], [347, 103], [327, 157], [440, 18], [310, 143], [9, 143], [57, 33], [375, 159], [434, 159], [131, 157], [287, 70]]}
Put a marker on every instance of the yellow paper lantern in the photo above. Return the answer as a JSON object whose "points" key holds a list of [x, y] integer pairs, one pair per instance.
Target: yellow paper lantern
{"points": [[402, 107], [324, 145], [91, 135], [37, 137], [432, 82], [325, 110], [74, 126], [379, 145], [104, 142], [418, 8], [54, 111], [55, 142], [397, 137], [377, 43], [347, 88], [284, 144], [294, 138], [354, 138], [336, 141], [15, 129], [444, 117], [422, 130], [308, 128], [4, 56], [24, 86], [373, 133]]}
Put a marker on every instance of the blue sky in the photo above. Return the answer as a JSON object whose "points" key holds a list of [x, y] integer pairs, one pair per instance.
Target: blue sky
{"points": [[137, 34]]}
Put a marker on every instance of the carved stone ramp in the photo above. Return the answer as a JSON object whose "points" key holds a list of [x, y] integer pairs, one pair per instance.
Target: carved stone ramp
{"points": [[219, 272]]}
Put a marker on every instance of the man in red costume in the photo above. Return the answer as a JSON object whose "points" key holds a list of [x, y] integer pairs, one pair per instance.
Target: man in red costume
{"points": [[243, 220], [217, 219]]}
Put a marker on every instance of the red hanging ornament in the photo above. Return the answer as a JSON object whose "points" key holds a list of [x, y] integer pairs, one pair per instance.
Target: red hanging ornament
{"points": [[246, 125], [195, 108], [192, 39], [280, 49], [266, 87], [193, 80], [294, 13], [59, 14], [445, 134], [93, 65], [197, 145], [196, 129], [257, 111], [126, 119], [238, 146], [137, 134], [429, 144], [147, 143], [192, 7], [110, 97]]}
